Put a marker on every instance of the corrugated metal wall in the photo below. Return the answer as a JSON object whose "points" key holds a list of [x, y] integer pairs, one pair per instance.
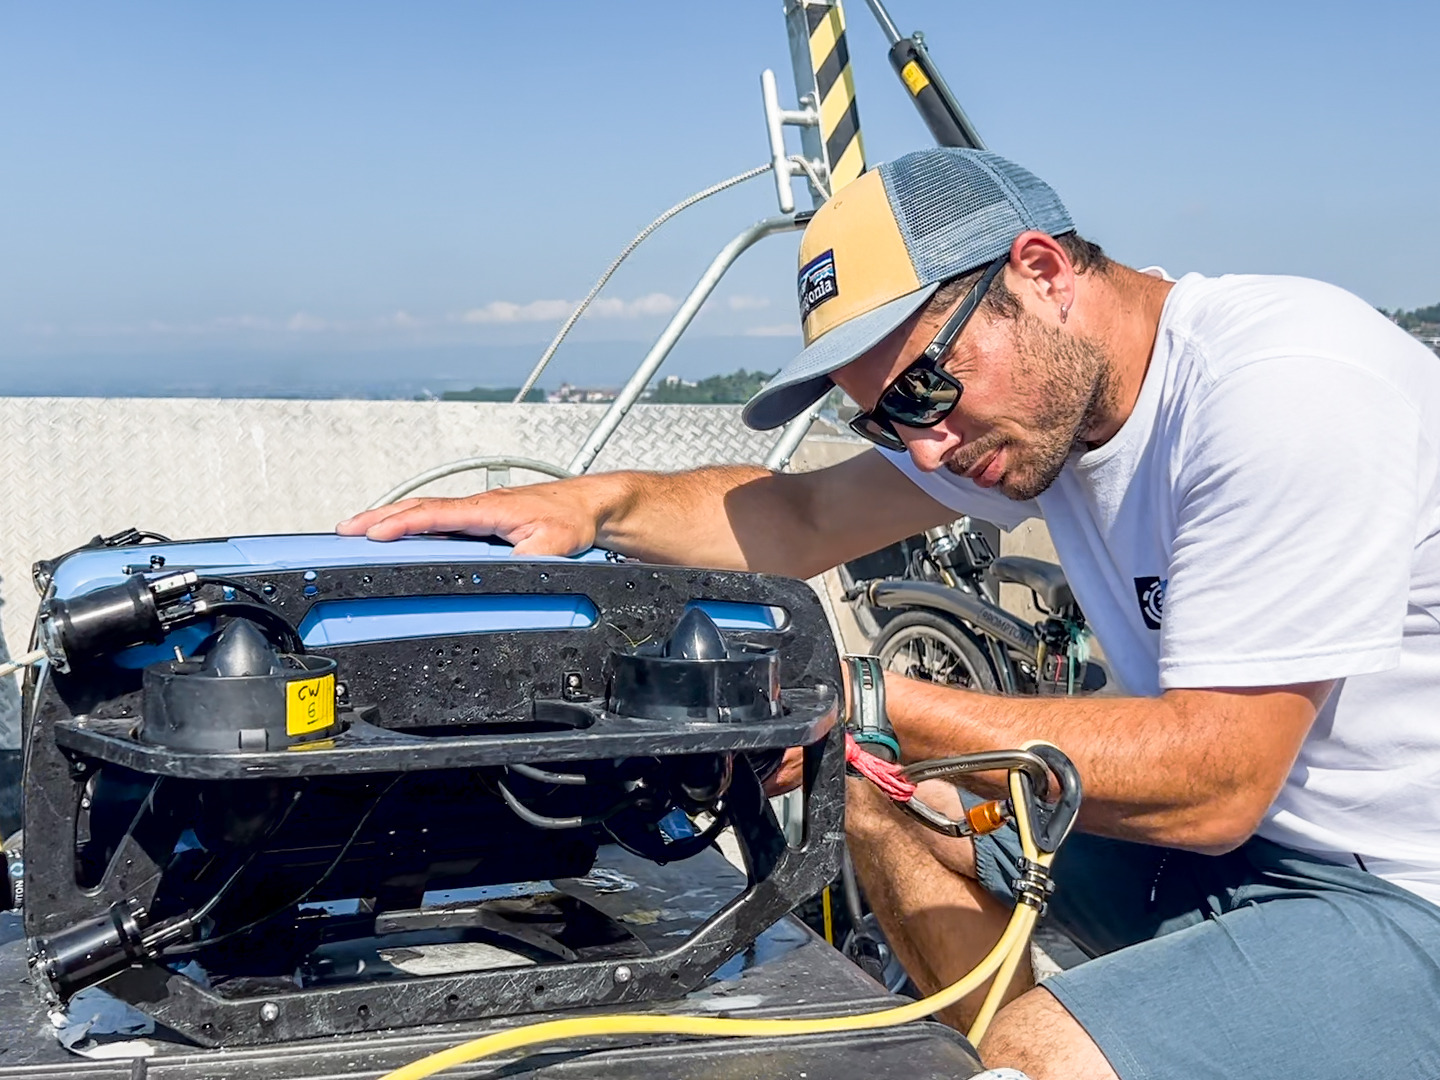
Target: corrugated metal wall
{"points": [[200, 467]]}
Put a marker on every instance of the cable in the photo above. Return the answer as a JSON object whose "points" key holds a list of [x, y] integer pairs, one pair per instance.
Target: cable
{"points": [[185, 950], [1016, 936], [672, 850], [808, 168], [233, 583], [22, 662], [545, 776], [569, 324], [542, 821], [1024, 827], [206, 908], [243, 609], [997, 962]]}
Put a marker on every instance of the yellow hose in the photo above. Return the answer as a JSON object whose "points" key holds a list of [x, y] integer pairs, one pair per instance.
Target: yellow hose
{"points": [[1013, 941], [1006, 974]]}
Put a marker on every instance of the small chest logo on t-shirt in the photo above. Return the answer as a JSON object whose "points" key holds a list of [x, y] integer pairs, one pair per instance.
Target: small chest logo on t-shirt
{"points": [[1150, 591]]}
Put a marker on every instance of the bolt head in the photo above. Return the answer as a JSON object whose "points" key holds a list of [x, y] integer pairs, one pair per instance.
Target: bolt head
{"points": [[269, 1012], [623, 974]]}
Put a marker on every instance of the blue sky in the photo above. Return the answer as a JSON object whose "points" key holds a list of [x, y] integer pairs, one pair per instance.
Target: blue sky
{"points": [[295, 197]]}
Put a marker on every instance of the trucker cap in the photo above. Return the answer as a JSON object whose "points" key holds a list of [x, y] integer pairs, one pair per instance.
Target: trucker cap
{"points": [[882, 246]]}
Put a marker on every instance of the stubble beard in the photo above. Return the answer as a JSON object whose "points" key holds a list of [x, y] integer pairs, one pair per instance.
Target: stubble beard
{"points": [[1069, 379]]}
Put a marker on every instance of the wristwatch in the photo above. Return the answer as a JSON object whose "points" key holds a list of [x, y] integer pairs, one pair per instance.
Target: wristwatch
{"points": [[866, 716]]}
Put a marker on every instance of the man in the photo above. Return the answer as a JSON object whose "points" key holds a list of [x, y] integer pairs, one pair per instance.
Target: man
{"points": [[1242, 481]]}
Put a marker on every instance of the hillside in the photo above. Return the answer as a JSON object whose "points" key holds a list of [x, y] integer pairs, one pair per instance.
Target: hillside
{"points": [[733, 389], [1419, 320]]}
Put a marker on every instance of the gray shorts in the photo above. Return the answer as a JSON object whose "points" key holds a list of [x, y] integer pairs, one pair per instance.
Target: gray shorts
{"points": [[1263, 963]]}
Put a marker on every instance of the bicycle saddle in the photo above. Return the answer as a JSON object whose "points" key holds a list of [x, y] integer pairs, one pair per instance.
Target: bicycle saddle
{"points": [[1045, 580]]}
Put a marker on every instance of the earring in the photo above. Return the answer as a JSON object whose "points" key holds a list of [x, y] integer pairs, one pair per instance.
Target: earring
{"points": [[1064, 312]]}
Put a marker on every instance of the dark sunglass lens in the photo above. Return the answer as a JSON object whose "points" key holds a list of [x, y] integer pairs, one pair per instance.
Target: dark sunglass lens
{"points": [[877, 431], [920, 397]]}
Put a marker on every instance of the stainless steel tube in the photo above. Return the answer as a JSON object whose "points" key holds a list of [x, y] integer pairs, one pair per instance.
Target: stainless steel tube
{"points": [[887, 25], [790, 437], [465, 465], [722, 262]]}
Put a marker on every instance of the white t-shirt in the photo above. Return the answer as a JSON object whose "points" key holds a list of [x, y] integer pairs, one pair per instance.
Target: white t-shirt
{"points": [[1269, 515]]}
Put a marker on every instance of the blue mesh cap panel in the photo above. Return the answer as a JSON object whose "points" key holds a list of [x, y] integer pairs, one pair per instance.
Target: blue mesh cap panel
{"points": [[958, 209]]}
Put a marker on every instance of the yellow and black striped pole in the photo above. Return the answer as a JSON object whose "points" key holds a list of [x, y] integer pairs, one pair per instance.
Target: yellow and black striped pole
{"points": [[822, 71]]}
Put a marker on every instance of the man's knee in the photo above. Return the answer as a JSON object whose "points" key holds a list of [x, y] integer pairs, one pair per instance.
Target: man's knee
{"points": [[1037, 1035], [879, 832]]}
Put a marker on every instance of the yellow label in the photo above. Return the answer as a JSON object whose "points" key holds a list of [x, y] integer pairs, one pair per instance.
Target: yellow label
{"points": [[318, 744], [310, 705], [914, 78]]}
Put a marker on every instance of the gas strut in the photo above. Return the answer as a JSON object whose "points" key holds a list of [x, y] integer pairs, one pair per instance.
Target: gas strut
{"points": [[937, 105]]}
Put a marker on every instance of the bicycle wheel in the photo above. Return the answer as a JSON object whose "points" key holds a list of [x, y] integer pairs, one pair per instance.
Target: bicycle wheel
{"points": [[923, 645]]}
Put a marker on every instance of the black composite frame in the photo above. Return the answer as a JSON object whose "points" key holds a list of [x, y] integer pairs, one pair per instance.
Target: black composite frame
{"points": [[441, 706]]}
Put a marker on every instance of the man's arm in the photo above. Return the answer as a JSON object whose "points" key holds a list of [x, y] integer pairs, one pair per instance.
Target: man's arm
{"points": [[730, 517], [1193, 769]]}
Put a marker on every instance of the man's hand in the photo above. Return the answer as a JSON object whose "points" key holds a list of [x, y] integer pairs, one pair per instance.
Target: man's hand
{"points": [[789, 775], [540, 519], [730, 517], [792, 766]]}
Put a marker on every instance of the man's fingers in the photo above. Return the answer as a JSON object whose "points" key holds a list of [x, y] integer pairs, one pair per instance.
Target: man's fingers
{"points": [[547, 542], [443, 516], [413, 516], [357, 525], [790, 774], [522, 522]]}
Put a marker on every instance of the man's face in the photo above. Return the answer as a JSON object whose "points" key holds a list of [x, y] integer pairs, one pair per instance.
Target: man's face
{"points": [[1031, 391]]}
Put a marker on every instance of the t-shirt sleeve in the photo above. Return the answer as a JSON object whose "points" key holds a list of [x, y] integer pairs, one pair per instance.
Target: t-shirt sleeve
{"points": [[1298, 503], [964, 496]]}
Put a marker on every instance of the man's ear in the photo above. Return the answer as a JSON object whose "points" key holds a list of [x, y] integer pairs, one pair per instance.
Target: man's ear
{"points": [[1041, 273]]}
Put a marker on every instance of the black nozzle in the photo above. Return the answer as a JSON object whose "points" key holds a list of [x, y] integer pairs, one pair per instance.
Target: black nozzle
{"points": [[240, 650], [695, 675], [695, 637]]}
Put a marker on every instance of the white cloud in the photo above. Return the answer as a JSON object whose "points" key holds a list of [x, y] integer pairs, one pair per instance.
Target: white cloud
{"points": [[605, 307], [650, 304], [778, 330], [503, 311], [304, 323], [243, 322], [747, 303]]}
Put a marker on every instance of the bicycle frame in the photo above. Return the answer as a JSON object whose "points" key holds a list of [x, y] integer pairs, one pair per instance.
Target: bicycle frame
{"points": [[948, 575]]}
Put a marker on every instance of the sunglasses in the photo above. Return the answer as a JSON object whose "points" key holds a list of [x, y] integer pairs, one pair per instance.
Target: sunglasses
{"points": [[923, 394]]}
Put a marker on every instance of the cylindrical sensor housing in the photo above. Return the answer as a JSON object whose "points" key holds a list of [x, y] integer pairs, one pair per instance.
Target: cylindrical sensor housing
{"points": [[243, 695], [696, 675]]}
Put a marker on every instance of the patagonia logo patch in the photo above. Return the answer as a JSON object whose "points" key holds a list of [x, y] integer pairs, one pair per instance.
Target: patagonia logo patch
{"points": [[817, 283], [1150, 591]]}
